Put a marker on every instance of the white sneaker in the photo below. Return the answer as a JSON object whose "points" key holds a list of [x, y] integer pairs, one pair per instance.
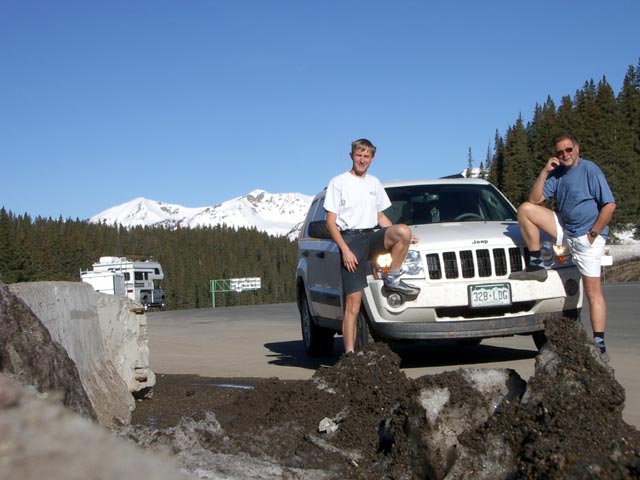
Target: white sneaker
{"points": [[393, 283]]}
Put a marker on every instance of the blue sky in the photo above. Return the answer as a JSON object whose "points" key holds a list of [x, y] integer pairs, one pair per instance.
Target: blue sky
{"points": [[195, 102]]}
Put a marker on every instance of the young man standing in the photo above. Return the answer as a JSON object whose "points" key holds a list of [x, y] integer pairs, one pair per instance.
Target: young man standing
{"points": [[355, 202], [585, 207]]}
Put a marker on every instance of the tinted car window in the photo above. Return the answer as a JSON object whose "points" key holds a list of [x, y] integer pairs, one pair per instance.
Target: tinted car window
{"points": [[320, 213], [420, 204]]}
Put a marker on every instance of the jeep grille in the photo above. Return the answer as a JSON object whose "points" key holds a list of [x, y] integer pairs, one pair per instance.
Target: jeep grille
{"points": [[479, 263]]}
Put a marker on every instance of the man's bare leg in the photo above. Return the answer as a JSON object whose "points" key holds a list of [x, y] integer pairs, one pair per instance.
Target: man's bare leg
{"points": [[350, 321], [598, 312], [397, 239], [597, 305], [532, 218]]}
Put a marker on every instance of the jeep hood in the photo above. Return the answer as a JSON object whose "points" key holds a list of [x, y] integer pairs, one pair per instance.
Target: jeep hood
{"points": [[456, 235]]}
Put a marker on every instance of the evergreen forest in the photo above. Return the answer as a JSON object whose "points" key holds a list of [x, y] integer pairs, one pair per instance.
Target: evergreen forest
{"points": [[607, 127], [45, 249]]}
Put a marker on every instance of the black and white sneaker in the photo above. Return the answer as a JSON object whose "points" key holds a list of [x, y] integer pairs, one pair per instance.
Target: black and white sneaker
{"points": [[530, 273], [394, 284]]}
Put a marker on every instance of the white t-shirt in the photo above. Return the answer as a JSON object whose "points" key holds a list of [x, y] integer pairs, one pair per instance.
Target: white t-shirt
{"points": [[356, 200]]}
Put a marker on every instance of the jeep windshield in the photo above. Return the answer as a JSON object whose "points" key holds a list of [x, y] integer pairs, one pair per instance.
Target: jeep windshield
{"points": [[444, 203]]}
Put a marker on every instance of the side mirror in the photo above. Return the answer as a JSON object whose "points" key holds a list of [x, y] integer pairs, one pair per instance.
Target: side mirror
{"points": [[318, 229]]}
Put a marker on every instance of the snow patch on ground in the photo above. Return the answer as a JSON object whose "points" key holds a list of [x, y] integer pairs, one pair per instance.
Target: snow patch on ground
{"points": [[626, 248]]}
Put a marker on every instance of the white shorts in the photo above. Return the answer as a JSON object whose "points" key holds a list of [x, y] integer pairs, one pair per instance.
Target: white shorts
{"points": [[587, 256]]}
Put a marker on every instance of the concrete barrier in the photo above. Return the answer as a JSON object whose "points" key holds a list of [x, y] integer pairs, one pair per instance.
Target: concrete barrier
{"points": [[105, 339], [126, 342]]}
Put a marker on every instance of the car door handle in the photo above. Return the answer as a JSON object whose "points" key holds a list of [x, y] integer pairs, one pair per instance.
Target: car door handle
{"points": [[320, 254]]}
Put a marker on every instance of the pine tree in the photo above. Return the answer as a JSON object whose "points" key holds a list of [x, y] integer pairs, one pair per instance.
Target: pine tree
{"points": [[487, 166], [541, 131], [7, 246], [566, 115], [496, 172], [628, 192], [469, 172], [518, 174], [585, 117]]}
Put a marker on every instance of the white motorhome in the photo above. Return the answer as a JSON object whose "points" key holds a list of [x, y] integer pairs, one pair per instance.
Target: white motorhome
{"points": [[140, 280]]}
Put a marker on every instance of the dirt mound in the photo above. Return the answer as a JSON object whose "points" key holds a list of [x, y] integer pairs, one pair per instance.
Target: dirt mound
{"points": [[362, 418], [623, 272], [569, 423]]}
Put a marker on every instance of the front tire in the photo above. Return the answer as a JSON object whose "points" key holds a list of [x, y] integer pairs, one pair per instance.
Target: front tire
{"points": [[363, 333], [318, 341], [539, 339]]}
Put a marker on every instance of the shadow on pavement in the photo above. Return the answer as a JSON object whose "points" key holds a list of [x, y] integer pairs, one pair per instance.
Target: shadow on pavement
{"points": [[291, 354], [439, 354], [412, 355]]}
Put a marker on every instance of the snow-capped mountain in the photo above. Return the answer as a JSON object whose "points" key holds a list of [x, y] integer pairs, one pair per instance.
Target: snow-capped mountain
{"points": [[274, 213], [279, 214]]}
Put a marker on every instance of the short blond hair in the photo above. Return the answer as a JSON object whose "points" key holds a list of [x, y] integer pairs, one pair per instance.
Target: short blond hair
{"points": [[363, 144]]}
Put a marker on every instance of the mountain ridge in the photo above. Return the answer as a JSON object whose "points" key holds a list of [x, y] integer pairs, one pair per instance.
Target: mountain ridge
{"points": [[277, 214]]}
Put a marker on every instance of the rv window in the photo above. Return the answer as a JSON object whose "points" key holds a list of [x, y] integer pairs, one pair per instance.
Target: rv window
{"points": [[157, 271], [127, 276], [138, 275]]}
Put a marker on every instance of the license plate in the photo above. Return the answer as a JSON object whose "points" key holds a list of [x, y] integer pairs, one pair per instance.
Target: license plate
{"points": [[496, 294]]}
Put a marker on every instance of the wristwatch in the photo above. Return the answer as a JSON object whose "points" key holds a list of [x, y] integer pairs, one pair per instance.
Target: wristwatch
{"points": [[593, 233]]}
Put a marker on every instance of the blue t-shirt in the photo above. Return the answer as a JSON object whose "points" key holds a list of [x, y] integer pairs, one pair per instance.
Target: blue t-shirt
{"points": [[580, 192]]}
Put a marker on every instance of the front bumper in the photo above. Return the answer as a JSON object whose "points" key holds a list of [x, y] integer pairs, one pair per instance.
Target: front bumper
{"points": [[441, 311]]}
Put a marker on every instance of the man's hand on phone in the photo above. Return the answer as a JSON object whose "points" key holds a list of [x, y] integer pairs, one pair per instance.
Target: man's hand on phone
{"points": [[552, 164]]}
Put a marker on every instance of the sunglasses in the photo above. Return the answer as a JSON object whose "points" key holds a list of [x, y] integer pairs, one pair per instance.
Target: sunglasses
{"points": [[559, 153]]}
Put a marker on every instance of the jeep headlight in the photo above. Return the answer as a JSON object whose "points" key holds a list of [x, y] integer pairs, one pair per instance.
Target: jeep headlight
{"points": [[551, 253], [561, 253], [383, 263], [412, 264]]}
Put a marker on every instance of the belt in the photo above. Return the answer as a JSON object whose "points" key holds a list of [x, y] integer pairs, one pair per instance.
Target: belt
{"points": [[354, 231]]}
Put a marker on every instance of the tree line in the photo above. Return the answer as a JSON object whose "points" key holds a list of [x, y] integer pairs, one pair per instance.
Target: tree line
{"points": [[608, 129], [45, 249]]}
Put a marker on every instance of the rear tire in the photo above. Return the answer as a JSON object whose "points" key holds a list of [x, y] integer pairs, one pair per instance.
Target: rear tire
{"points": [[318, 341]]}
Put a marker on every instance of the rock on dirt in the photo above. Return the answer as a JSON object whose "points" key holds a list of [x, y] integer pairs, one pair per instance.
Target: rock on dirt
{"points": [[28, 353], [41, 439], [566, 423]]}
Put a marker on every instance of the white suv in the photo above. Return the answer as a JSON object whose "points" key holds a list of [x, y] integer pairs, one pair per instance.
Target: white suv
{"points": [[469, 243]]}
